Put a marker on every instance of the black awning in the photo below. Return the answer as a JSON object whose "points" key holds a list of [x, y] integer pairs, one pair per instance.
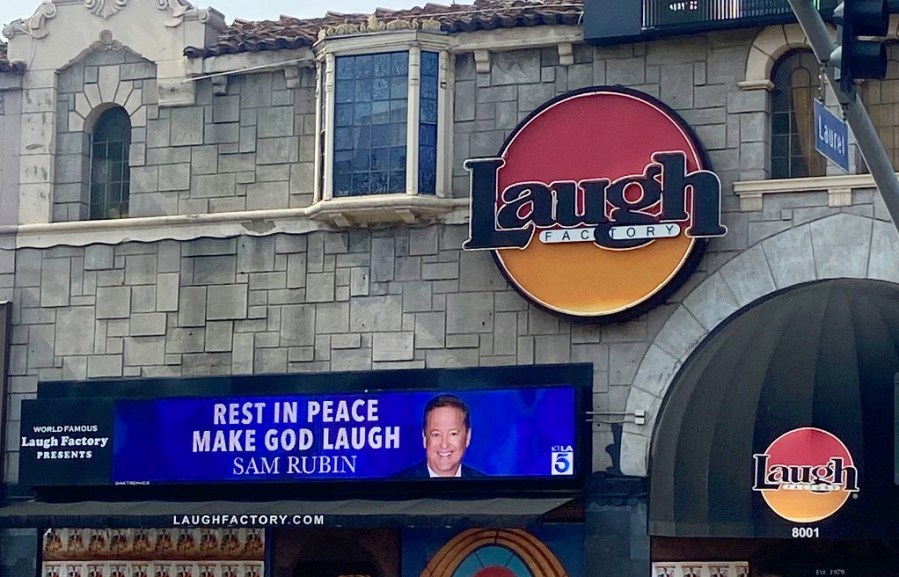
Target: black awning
{"points": [[821, 355], [498, 512]]}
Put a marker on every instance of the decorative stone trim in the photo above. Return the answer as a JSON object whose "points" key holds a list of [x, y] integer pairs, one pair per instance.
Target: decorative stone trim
{"points": [[374, 26], [839, 189], [516, 38], [385, 209], [105, 8], [755, 85], [773, 42], [177, 8], [110, 90], [462, 43], [220, 85], [838, 246], [229, 224], [769, 45], [33, 26], [482, 61], [566, 54]]}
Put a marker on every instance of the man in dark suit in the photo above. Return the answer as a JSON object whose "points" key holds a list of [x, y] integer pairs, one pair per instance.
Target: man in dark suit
{"points": [[446, 434]]}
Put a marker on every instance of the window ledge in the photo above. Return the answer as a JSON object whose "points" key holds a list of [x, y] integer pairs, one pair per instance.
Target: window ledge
{"points": [[384, 209], [839, 189]]}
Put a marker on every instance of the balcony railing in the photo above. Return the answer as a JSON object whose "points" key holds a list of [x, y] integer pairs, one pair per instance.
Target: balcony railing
{"points": [[612, 21], [714, 13]]}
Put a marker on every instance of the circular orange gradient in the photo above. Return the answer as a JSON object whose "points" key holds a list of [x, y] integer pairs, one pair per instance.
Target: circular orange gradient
{"points": [[593, 134], [806, 446]]}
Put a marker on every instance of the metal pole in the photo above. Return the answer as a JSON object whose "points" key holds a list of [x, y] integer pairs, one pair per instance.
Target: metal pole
{"points": [[856, 116]]}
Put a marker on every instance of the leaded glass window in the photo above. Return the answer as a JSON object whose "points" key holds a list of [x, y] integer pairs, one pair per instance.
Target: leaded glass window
{"points": [[427, 124], [793, 154], [371, 116], [110, 175]]}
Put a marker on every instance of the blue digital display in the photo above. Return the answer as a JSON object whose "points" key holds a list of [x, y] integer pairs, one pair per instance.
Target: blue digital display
{"points": [[524, 432]]}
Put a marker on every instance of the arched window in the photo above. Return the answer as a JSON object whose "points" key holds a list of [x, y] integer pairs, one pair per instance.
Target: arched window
{"points": [[793, 155], [881, 98], [110, 175]]}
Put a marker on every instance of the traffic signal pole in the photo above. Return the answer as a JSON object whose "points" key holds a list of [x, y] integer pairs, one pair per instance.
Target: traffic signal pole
{"points": [[856, 116]]}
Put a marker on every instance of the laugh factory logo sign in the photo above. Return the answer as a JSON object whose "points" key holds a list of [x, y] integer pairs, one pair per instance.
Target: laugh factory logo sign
{"points": [[805, 475], [598, 204]]}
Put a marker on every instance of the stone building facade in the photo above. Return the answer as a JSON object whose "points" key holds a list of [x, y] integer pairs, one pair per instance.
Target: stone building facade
{"points": [[235, 257]]}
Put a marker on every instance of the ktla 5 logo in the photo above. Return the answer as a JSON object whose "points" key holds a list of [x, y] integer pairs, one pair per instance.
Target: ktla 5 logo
{"points": [[562, 460]]}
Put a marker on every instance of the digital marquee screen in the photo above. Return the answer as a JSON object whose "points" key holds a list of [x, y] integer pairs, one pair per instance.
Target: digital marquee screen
{"points": [[525, 432]]}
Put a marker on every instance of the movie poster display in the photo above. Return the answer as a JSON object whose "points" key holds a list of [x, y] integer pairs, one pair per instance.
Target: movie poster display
{"points": [[208, 552]]}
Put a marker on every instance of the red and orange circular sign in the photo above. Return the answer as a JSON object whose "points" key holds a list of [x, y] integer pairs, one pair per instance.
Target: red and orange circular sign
{"points": [[596, 203], [806, 475]]}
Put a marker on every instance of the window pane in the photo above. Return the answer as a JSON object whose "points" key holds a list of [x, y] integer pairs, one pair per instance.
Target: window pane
{"points": [[428, 111], [364, 89], [380, 159], [343, 139], [380, 112], [398, 110], [364, 66], [427, 135], [114, 149], [342, 184], [345, 68], [381, 89], [780, 166], [397, 134], [399, 63], [427, 169], [399, 87], [780, 123], [362, 113], [379, 183], [397, 181], [343, 92], [429, 87], [381, 63], [362, 161], [380, 134], [429, 64], [361, 184], [780, 146], [398, 158], [343, 115]]}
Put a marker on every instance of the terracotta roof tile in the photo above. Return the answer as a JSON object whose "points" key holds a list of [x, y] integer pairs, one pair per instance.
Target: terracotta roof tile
{"points": [[288, 32], [6, 65]]}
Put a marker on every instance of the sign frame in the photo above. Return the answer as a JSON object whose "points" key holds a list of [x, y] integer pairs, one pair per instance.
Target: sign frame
{"points": [[576, 376], [831, 136]]}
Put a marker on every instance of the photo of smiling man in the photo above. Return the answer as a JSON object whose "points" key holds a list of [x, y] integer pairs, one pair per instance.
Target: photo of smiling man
{"points": [[446, 434]]}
